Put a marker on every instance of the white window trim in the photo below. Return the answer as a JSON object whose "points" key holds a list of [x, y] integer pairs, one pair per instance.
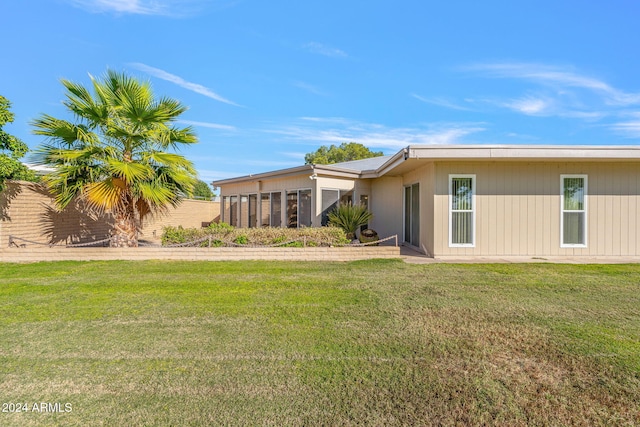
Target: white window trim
{"points": [[473, 211], [584, 210]]}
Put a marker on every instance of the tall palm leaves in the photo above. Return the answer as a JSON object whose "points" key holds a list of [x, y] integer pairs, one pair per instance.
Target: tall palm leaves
{"points": [[117, 156]]}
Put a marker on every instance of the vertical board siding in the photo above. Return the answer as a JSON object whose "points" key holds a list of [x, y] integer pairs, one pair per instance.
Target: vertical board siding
{"points": [[386, 205], [518, 208]]}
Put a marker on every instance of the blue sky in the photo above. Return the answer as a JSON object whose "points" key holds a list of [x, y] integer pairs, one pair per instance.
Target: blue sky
{"points": [[268, 81]]}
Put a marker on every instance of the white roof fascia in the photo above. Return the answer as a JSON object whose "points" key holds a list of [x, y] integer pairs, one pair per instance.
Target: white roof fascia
{"points": [[337, 172], [526, 152], [298, 170], [390, 164]]}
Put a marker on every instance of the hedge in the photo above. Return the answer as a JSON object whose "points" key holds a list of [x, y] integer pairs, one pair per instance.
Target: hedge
{"points": [[226, 235]]}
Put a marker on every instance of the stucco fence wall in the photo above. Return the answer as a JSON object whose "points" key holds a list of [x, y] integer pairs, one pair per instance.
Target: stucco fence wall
{"points": [[43, 253], [27, 211]]}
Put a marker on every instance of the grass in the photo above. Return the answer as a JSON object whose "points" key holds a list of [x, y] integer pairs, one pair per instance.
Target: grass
{"points": [[276, 343]]}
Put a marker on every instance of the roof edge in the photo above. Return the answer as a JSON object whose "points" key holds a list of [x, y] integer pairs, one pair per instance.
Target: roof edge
{"points": [[252, 177]]}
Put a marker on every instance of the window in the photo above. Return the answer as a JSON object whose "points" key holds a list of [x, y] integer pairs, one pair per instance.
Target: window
{"points": [[332, 197], [573, 220], [243, 214], [412, 214], [364, 200], [226, 213], [276, 209], [233, 211], [265, 210], [330, 200], [270, 209], [462, 210], [253, 210], [346, 197], [299, 208], [292, 209], [304, 208]]}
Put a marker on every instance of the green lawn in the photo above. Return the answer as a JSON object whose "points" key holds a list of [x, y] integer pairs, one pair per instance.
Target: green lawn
{"points": [[277, 343]]}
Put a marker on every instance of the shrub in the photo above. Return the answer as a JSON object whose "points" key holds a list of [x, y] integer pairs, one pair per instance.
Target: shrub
{"points": [[219, 227], [175, 235], [223, 234], [241, 240], [350, 217]]}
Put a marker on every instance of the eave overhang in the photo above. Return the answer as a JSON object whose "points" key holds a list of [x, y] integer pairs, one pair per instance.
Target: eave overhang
{"points": [[414, 154]]}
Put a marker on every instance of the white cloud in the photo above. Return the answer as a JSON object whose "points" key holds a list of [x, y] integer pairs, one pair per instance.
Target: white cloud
{"points": [[338, 130], [442, 102], [309, 88], [530, 106], [194, 87], [207, 125], [560, 92], [628, 129], [558, 78], [173, 8], [121, 6], [321, 49]]}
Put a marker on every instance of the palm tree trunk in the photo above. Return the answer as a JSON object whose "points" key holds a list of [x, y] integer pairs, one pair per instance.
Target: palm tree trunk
{"points": [[125, 229]]}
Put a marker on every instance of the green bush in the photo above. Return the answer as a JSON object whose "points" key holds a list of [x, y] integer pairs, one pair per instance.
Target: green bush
{"points": [[221, 233], [350, 217], [220, 227], [176, 235], [241, 240]]}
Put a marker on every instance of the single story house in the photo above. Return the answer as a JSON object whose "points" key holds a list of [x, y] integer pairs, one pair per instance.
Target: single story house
{"points": [[459, 200]]}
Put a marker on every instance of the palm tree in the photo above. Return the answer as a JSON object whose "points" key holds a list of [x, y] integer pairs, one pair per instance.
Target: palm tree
{"points": [[119, 154]]}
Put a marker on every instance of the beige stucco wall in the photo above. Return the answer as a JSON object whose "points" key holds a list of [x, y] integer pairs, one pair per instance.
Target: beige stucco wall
{"points": [[518, 208], [189, 214], [27, 211]]}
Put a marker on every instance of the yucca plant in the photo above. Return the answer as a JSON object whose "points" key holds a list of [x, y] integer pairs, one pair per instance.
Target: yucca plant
{"points": [[117, 155], [350, 217]]}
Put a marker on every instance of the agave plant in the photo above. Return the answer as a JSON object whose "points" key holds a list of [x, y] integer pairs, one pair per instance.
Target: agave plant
{"points": [[350, 217], [117, 155]]}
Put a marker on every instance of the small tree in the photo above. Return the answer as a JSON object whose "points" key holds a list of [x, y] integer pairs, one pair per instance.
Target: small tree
{"points": [[117, 155], [12, 149], [202, 190], [350, 217], [346, 152]]}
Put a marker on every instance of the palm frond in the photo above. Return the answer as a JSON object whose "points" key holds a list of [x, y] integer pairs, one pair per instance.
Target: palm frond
{"points": [[63, 131], [115, 156], [107, 194], [82, 104], [130, 172], [169, 159]]}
